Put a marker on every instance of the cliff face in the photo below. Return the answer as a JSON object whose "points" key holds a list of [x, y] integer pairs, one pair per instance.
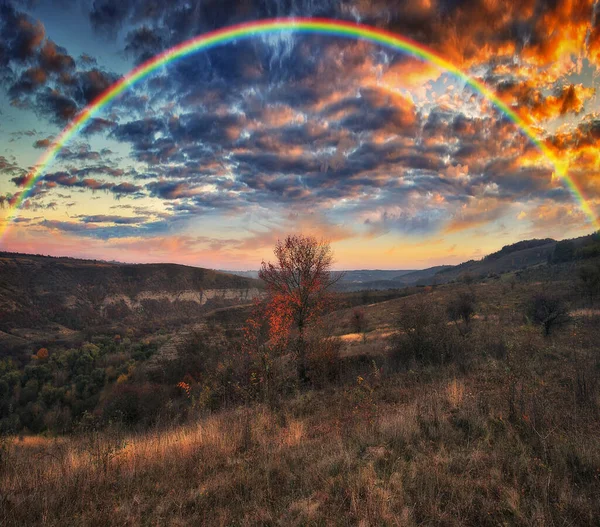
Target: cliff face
{"points": [[78, 294]]}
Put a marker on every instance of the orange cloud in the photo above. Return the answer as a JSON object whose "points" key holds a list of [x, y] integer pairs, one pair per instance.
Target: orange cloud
{"points": [[477, 212], [531, 104]]}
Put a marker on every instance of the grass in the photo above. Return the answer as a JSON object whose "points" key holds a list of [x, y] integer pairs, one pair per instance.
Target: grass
{"points": [[508, 438]]}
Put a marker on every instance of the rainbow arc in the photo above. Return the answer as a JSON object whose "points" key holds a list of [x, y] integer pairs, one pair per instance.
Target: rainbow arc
{"points": [[299, 25]]}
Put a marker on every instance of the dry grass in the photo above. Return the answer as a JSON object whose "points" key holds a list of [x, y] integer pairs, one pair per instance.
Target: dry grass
{"points": [[413, 450], [511, 440]]}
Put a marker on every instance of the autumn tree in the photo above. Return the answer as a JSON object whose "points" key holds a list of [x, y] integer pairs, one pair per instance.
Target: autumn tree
{"points": [[299, 286]]}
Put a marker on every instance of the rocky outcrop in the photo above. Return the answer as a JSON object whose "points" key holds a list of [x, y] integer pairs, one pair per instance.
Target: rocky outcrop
{"points": [[36, 291]]}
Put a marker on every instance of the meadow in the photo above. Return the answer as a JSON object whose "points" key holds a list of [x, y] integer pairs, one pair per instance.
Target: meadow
{"points": [[502, 431]]}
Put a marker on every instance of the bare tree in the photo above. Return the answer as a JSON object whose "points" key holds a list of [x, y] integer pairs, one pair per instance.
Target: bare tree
{"points": [[549, 311], [300, 282], [462, 308]]}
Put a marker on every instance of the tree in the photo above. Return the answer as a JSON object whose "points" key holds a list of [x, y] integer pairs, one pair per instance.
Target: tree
{"points": [[564, 251], [42, 354], [298, 285], [462, 307], [357, 320], [548, 311]]}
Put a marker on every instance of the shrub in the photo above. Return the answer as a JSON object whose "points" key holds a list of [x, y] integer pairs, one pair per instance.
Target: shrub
{"points": [[424, 336], [323, 360], [462, 308], [358, 320], [548, 311], [134, 404], [589, 281]]}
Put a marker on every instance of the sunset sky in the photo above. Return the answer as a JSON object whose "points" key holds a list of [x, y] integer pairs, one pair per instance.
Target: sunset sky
{"points": [[210, 160]]}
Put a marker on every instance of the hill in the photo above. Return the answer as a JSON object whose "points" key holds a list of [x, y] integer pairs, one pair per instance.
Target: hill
{"points": [[517, 257], [61, 295]]}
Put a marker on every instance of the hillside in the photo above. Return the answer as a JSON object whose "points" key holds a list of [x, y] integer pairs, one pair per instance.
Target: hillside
{"points": [[509, 258], [62, 295], [517, 257], [503, 432]]}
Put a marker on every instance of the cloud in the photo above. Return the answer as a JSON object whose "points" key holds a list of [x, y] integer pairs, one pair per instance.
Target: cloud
{"points": [[43, 143], [533, 104], [119, 220], [41, 75], [477, 212], [10, 168], [101, 231], [295, 124]]}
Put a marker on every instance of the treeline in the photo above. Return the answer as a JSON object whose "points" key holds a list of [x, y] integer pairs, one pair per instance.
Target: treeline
{"points": [[519, 246], [578, 249]]}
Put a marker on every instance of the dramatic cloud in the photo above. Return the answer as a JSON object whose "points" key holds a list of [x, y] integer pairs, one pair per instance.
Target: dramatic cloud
{"points": [[227, 149]]}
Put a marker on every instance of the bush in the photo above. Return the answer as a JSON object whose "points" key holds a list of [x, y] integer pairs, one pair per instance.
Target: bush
{"points": [[462, 308], [589, 281], [323, 360], [548, 311], [357, 320], [134, 404], [424, 336]]}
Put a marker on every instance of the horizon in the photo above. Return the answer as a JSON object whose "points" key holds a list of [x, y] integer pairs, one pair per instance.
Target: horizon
{"points": [[256, 269], [209, 160]]}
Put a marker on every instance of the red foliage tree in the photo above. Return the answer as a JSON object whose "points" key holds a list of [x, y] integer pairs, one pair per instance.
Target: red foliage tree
{"points": [[299, 290]]}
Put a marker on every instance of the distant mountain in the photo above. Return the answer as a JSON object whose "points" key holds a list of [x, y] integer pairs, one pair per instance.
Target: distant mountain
{"points": [[352, 280], [246, 274], [42, 291], [380, 280]]}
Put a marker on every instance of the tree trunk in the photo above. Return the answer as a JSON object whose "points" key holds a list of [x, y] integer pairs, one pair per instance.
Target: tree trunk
{"points": [[301, 356]]}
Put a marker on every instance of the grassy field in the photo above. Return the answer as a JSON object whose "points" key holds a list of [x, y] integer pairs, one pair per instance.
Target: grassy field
{"points": [[508, 435]]}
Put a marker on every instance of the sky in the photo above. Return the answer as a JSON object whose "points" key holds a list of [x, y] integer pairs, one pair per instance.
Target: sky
{"points": [[210, 160]]}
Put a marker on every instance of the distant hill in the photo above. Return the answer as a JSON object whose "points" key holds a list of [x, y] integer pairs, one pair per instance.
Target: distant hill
{"points": [[245, 274], [526, 254], [380, 280], [42, 296], [37, 291], [513, 257]]}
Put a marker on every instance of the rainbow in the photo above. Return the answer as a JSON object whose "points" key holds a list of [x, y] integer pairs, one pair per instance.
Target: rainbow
{"points": [[300, 25]]}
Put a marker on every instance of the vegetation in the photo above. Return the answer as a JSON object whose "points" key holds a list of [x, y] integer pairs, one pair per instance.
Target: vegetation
{"points": [[54, 391], [549, 311], [525, 244], [461, 309], [461, 404], [589, 281], [299, 286]]}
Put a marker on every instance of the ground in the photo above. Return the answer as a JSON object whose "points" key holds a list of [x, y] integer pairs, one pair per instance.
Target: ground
{"points": [[507, 436]]}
